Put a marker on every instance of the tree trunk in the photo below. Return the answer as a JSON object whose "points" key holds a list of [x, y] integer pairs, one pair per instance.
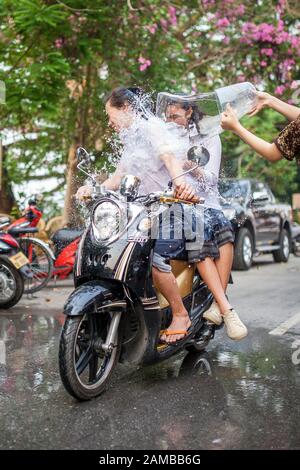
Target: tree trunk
{"points": [[70, 213], [70, 209]]}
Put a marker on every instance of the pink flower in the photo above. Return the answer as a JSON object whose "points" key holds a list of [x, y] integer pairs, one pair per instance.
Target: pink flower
{"points": [[164, 24], [241, 78], [280, 90], [222, 23], [145, 63], [263, 63], [58, 43], [172, 16], [295, 41], [240, 10], [280, 6], [295, 84], [208, 3], [267, 51], [152, 28], [280, 25], [226, 40]]}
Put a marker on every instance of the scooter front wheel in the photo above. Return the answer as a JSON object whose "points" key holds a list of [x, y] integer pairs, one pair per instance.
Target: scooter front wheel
{"points": [[85, 367]]}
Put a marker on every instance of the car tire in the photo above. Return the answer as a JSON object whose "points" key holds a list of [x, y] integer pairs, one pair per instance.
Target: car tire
{"points": [[243, 250], [282, 254]]}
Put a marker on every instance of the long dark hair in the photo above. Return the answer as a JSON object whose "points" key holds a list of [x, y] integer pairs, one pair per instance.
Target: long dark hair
{"points": [[134, 96], [196, 115]]}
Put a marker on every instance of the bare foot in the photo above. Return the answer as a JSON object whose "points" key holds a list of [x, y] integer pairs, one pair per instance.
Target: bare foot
{"points": [[179, 322]]}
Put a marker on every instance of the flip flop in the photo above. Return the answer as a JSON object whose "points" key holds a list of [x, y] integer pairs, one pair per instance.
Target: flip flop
{"points": [[173, 332]]}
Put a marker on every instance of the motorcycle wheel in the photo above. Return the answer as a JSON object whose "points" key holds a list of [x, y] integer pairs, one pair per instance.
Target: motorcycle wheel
{"points": [[40, 262], [11, 284], [84, 367]]}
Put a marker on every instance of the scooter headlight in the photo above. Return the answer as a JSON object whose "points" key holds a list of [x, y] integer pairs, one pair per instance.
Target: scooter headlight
{"points": [[106, 220]]}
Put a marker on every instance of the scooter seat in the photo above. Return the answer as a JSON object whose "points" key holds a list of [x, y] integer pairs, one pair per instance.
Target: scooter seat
{"points": [[184, 274], [65, 236], [17, 231]]}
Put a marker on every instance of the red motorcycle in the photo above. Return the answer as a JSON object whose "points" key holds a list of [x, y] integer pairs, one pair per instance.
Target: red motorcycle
{"points": [[38, 253], [65, 243], [14, 269], [59, 263]]}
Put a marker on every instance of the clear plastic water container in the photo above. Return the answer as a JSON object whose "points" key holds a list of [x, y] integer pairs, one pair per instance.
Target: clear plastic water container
{"points": [[207, 107]]}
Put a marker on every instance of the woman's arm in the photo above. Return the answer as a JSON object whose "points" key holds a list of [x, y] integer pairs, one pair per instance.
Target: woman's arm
{"points": [[229, 121], [265, 100]]}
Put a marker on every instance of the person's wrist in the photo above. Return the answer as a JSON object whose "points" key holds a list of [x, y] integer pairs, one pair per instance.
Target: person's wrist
{"points": [[237, 128], [270, 101]]}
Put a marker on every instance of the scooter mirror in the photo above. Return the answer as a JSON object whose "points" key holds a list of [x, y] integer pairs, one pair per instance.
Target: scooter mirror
{"points": [[82, 155], [199, 155], [129, 186]]}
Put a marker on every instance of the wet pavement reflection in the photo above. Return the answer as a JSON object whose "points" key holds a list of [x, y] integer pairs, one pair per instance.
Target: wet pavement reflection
{"points": [[235, 395]]}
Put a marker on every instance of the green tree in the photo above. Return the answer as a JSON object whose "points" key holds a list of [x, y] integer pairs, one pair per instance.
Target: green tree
{"points": [[59, 59]]}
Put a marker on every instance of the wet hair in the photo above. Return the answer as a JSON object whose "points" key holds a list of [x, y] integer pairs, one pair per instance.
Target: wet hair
{"points": [[134, 96], [196, 115]]}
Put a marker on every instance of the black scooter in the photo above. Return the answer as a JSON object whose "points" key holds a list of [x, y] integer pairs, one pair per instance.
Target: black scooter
{"points": [[115, 314]]}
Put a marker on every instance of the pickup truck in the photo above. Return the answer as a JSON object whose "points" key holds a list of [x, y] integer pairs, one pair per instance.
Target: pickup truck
{"points": [[261, 224]]}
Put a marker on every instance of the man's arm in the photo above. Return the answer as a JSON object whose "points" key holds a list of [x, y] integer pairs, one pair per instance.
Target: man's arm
{"points": [[113, 183]]}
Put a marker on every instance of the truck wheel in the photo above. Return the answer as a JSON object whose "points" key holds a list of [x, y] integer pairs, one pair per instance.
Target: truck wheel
{"points": [[282, 255], [243, 250]]}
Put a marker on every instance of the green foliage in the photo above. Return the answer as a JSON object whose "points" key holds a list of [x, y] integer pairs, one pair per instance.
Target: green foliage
{"points": [[58, 59]]}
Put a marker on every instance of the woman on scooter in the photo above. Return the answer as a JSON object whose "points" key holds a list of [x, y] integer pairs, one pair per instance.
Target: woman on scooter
{"points": [[214, 259]]}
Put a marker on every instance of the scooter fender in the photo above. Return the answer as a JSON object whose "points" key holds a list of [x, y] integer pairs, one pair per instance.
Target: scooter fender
{"points": [[94, 295]]}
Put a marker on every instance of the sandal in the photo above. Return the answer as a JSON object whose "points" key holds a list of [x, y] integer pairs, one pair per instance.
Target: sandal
{"points": [[173, 332]]}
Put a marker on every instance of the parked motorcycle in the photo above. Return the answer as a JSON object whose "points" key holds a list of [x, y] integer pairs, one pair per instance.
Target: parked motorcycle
{"points": [[65, 242], [14, 267], [115, 314], [38, 252], [58, 263]]}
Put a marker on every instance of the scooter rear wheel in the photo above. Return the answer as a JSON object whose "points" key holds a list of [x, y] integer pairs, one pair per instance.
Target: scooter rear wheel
{"points": [[40, 263], [84, 367]]}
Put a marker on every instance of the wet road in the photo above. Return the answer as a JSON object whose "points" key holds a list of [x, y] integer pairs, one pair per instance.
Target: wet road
{"points": [[237, 395]]}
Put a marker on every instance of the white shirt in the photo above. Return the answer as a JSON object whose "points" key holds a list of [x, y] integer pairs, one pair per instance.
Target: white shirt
{"points": [[207, 186], [146, 140], [143, 144]]}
